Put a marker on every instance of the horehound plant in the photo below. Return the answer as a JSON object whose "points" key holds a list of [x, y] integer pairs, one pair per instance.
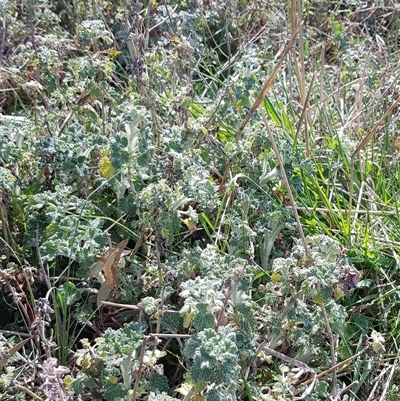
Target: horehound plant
{"points": [[302, 309]]}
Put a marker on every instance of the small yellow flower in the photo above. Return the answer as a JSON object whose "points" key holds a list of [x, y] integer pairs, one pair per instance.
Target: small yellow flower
{"points": [[105, 167]]}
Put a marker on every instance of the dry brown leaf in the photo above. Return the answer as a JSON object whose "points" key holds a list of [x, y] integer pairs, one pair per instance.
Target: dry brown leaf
{"points": [[109, 268]]}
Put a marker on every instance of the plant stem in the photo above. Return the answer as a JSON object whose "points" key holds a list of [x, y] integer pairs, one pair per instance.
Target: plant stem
{"points": [[285, 179]]}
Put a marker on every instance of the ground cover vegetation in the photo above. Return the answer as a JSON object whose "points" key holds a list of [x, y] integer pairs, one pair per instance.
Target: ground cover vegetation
{"points": [[199, 200]]}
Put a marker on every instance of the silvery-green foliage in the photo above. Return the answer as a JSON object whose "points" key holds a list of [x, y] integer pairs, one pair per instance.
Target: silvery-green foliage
{"points": [[242, 311], [214, 395], [298, 283], [112, 356], [92, 31], [158, 383], [57, 215], [123, 341], [197, 185], [68, 155], [275, 223], [16, 147], [222, 288], [7, 180], [7, 376], [324, 247], [204, 318], [161, 397], [242, 237], [133, 121], [150, 305], [48, 57], [83, 72], [201, 291], [213, 356], [114, 392]]}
